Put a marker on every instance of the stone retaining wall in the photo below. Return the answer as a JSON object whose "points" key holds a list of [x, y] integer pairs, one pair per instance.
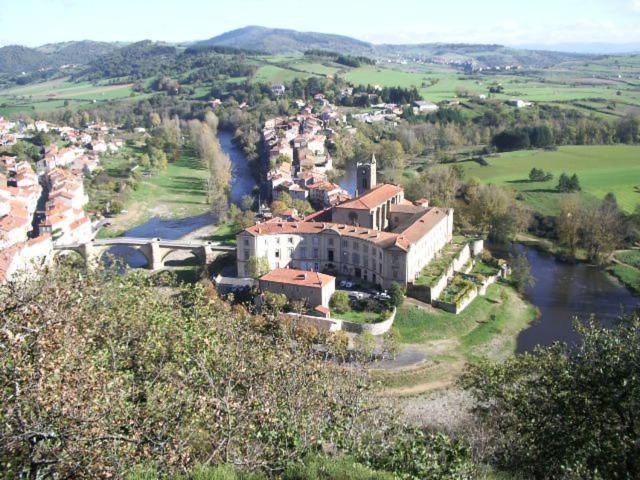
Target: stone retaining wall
{"points": [[336, 324], [379, 328]]}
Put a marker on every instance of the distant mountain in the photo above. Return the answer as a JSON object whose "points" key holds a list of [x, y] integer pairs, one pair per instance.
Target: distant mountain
{"points": [[592, 48], [17, 59], [485, 55], [279, 40]]}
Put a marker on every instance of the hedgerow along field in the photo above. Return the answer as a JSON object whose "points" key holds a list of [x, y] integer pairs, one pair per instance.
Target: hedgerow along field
{"points": [[600, 169]]}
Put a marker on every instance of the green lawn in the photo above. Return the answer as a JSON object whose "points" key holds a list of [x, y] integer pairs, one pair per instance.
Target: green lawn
{"points": [[489, 326], [629, 276], [358, 316], [601, 169], [630, 257]]}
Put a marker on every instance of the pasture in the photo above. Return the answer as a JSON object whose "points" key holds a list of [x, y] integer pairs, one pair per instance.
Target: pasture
{"points": [[59, 93], [600, 169]]}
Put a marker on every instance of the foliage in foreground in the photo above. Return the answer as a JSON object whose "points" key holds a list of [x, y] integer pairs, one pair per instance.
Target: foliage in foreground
{"points": [[566, 412], [100, 372]]}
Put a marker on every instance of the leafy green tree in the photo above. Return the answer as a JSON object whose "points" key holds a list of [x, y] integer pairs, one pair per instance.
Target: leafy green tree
{"points": [[258, 266], [396, 292], [340, 302], [565, 411], [365, 344], [521, 272]]}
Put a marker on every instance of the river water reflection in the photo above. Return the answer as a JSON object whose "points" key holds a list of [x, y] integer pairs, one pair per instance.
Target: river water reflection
{"points": [[565, 291]]}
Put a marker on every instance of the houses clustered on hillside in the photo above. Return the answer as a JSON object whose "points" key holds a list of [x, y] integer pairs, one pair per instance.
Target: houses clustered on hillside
{"points": [[296, 152], [45, 207]]}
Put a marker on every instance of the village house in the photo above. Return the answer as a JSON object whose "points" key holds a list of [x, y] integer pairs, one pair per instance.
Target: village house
{"points": [[422, 106], [313, 288]]}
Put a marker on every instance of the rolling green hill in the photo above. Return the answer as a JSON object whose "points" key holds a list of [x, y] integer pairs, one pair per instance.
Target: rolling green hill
{"points": [[15, 59]]}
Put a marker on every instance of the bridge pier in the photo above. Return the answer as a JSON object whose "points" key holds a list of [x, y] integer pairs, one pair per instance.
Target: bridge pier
{"points": [[154, 255], [90, 254]]}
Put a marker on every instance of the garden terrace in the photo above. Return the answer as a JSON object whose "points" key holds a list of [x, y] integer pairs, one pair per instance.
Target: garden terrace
{"points": [[457, 289], [439, 266]]}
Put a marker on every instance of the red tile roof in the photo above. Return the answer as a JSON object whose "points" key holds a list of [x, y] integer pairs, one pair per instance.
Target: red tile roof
{"points": [[373, 198], [298, 277]]}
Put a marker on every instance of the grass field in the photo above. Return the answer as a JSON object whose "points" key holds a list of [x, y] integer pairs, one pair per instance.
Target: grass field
{"points": [[601, 169], [487, 328], [627, 272], [177, 192], [51, 95]]}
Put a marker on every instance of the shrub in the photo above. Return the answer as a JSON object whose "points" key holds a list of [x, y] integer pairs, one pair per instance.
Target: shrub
{"points": [[340, 302], [396, 292]]}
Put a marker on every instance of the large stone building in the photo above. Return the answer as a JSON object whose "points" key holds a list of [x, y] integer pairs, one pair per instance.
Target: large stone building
{"points": [[378, 237]]}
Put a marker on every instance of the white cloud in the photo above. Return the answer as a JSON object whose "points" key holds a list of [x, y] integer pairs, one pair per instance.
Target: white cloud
{"points": [[635, 5]]}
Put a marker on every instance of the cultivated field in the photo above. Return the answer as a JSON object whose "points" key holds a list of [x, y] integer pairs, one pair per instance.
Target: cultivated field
{"points": [[601, 169], [51, 95]]}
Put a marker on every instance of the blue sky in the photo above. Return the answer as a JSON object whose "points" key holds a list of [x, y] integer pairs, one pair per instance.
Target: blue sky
{"points": [[512, 22]]}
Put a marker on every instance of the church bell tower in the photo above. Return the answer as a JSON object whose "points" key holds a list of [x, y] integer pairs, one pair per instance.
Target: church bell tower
{"points": [[366, 176]]}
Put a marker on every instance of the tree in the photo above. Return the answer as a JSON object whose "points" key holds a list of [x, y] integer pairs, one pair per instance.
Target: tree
{"points": [[340, 302], [495, 212], [565, 411], [539, 175], [391, 342], [569, 222], [521, 272], [258, 266], [568, 184], [396, 292], [365, 344], [603, 230]]}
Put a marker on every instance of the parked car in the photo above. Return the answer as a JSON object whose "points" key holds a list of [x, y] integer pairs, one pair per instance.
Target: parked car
{"points": [[382, 296]]}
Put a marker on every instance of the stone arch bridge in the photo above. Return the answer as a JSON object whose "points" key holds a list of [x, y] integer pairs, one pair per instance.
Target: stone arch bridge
{"points": [[155, 250]]}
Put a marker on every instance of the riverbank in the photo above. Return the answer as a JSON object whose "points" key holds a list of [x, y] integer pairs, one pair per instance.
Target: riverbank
{"points": [[489, 327], [179, 191]]}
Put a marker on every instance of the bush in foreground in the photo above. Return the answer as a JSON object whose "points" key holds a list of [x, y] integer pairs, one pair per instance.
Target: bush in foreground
{"points": [[566, 412], [100, 372]]}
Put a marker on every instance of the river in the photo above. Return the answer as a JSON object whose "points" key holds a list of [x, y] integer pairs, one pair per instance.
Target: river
{"points": [[173, 229], [563, 292]]}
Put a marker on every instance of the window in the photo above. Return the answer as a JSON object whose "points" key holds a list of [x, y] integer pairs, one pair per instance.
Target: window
{"points": [[395, 274], [345, 244], [331, 242], [246, 242], [278, 240], [355, 245], [330, 255], [355, 258], [316, 241], [395, 259], [316, 253], [345, 256], [316, 266], [277, 253], [290, 252], [303, 252], [290, 239], [246, 254]]}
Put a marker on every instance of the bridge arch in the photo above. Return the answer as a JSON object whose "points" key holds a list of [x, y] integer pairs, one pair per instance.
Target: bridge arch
{"points": [[133, 255], [181, 257]]}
